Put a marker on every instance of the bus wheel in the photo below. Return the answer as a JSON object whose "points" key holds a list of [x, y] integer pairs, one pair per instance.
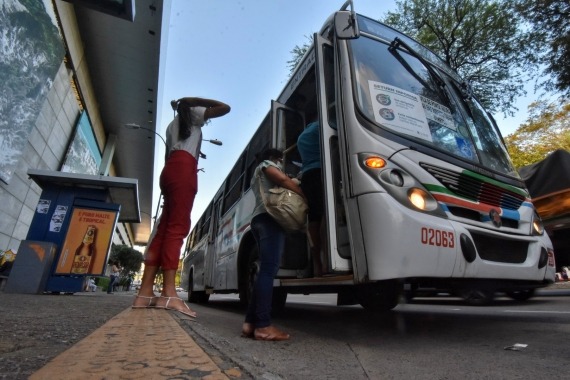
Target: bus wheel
{"points": [[521, 295], [249, 276], [478, 297], [381, 296], [195, 296]]}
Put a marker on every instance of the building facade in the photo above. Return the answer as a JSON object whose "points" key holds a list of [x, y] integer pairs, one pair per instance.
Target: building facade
{"points": [[80, 102]]}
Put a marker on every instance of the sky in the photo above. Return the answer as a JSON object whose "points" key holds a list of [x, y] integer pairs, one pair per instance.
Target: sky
{"points": [[236, 52]]}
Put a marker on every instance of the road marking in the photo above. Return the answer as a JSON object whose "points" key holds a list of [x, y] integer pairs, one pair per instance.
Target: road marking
{"points": [[311, 302], [537, 311]]}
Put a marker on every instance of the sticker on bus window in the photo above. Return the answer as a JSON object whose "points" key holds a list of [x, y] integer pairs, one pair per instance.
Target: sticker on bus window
{"points": [[464, 148], [438, 112], [400, 110]]}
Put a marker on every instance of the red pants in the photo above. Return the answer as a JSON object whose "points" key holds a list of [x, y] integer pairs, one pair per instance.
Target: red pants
{"points": [[179, 184]]}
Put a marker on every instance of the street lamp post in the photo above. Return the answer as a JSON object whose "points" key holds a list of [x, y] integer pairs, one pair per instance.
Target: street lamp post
{"points": [[214, 141], [136, 126]]}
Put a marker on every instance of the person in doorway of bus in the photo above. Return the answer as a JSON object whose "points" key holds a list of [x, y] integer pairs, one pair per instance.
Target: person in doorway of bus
{"points": [[309, 146], [270, 239], [178, 184]]}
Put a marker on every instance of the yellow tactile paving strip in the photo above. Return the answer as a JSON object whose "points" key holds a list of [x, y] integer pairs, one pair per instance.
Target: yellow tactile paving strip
{"points": [[135, 344]]}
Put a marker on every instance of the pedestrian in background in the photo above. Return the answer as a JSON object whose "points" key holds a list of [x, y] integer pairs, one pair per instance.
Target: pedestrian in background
{"points": [[178, 184], [115, 272], [270, 238], [91, 286]]}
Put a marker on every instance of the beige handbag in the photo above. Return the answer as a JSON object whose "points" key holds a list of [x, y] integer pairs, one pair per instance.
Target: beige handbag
{"points": [[288, 208]]}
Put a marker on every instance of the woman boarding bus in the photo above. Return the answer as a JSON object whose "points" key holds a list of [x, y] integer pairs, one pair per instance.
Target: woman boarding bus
{"points": [[418, 187]]}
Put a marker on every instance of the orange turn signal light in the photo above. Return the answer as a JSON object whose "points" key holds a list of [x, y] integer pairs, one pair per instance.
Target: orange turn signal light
{"points": [[375, 162]]}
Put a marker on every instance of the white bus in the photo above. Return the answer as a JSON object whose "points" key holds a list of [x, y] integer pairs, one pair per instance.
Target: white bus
{"points": [[419, 188]]}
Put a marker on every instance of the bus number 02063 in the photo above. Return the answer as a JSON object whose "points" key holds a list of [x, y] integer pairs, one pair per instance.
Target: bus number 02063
{"points": [[439, 238]]}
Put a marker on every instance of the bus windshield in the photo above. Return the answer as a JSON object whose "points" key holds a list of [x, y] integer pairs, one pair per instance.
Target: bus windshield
{"points": [[411, 93]]}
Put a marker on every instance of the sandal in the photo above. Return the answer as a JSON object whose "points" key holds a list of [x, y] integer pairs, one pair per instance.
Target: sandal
{"points": [[186, 311], [151, 302], [270, 333]]}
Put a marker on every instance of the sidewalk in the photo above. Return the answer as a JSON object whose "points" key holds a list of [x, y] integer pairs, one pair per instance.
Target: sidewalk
{"points": [[98, 336]]}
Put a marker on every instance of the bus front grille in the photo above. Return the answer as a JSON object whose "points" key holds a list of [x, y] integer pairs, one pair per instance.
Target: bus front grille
{"points": [[500, 250], [476, 216], [475, 189]]}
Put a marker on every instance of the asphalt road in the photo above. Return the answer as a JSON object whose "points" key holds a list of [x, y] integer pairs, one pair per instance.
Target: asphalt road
{"points": [[430, 338], [436, 338]]}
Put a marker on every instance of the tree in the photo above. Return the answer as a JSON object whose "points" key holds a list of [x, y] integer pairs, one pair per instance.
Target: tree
{"points": [[483, 40], [546, 129], [128, 258], [298, 52], [550, 20]]}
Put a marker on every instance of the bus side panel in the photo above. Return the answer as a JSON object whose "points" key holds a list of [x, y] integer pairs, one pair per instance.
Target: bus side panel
{"points": [[195, 262], [233, 226]]}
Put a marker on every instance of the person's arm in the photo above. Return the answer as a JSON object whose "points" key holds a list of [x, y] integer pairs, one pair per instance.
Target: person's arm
{"points": [[214, 108], [281, 179]]}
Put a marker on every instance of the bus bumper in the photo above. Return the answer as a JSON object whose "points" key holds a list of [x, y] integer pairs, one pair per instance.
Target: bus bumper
{"points": [[401, 243]]}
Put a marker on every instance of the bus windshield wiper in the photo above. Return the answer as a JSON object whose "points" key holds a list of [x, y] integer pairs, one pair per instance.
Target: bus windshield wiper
{"points": [[440, 90]]}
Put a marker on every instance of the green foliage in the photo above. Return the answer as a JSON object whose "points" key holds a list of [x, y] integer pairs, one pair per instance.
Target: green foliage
{"points": [[298, 52], [483, 40], [550, 21], [546, 129], [103, 282], [129, 259]]}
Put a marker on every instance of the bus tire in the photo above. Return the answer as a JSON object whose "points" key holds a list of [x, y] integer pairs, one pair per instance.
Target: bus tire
{"points": [[521, 295], [196, 296], [380, 296], [249, 276]]}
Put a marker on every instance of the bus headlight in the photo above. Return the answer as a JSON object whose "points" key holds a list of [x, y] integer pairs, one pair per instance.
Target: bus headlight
{"points": [[537, 226], [399, 184], [422, 199]]}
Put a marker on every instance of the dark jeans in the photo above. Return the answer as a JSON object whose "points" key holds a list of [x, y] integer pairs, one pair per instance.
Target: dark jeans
{"points": [[270, 239], [111, 284]]}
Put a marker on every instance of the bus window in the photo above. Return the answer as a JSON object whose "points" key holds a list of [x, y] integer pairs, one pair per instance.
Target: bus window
{"points": [[259, 142], [290, 124], [205, 221], [234, 185]]}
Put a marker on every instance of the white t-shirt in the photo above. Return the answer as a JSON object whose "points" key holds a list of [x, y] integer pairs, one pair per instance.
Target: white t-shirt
{"points": [[191, 144]]}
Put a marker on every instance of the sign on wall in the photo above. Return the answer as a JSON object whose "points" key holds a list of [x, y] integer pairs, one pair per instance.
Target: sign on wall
{"points": [[83, 155]]}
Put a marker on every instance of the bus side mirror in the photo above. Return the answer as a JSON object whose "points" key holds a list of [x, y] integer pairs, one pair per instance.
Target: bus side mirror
{"points": [[345, 25]]}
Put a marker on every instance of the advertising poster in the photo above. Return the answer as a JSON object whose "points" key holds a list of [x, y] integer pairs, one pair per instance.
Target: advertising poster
{"points": [[87, 242], [83, 155]]}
